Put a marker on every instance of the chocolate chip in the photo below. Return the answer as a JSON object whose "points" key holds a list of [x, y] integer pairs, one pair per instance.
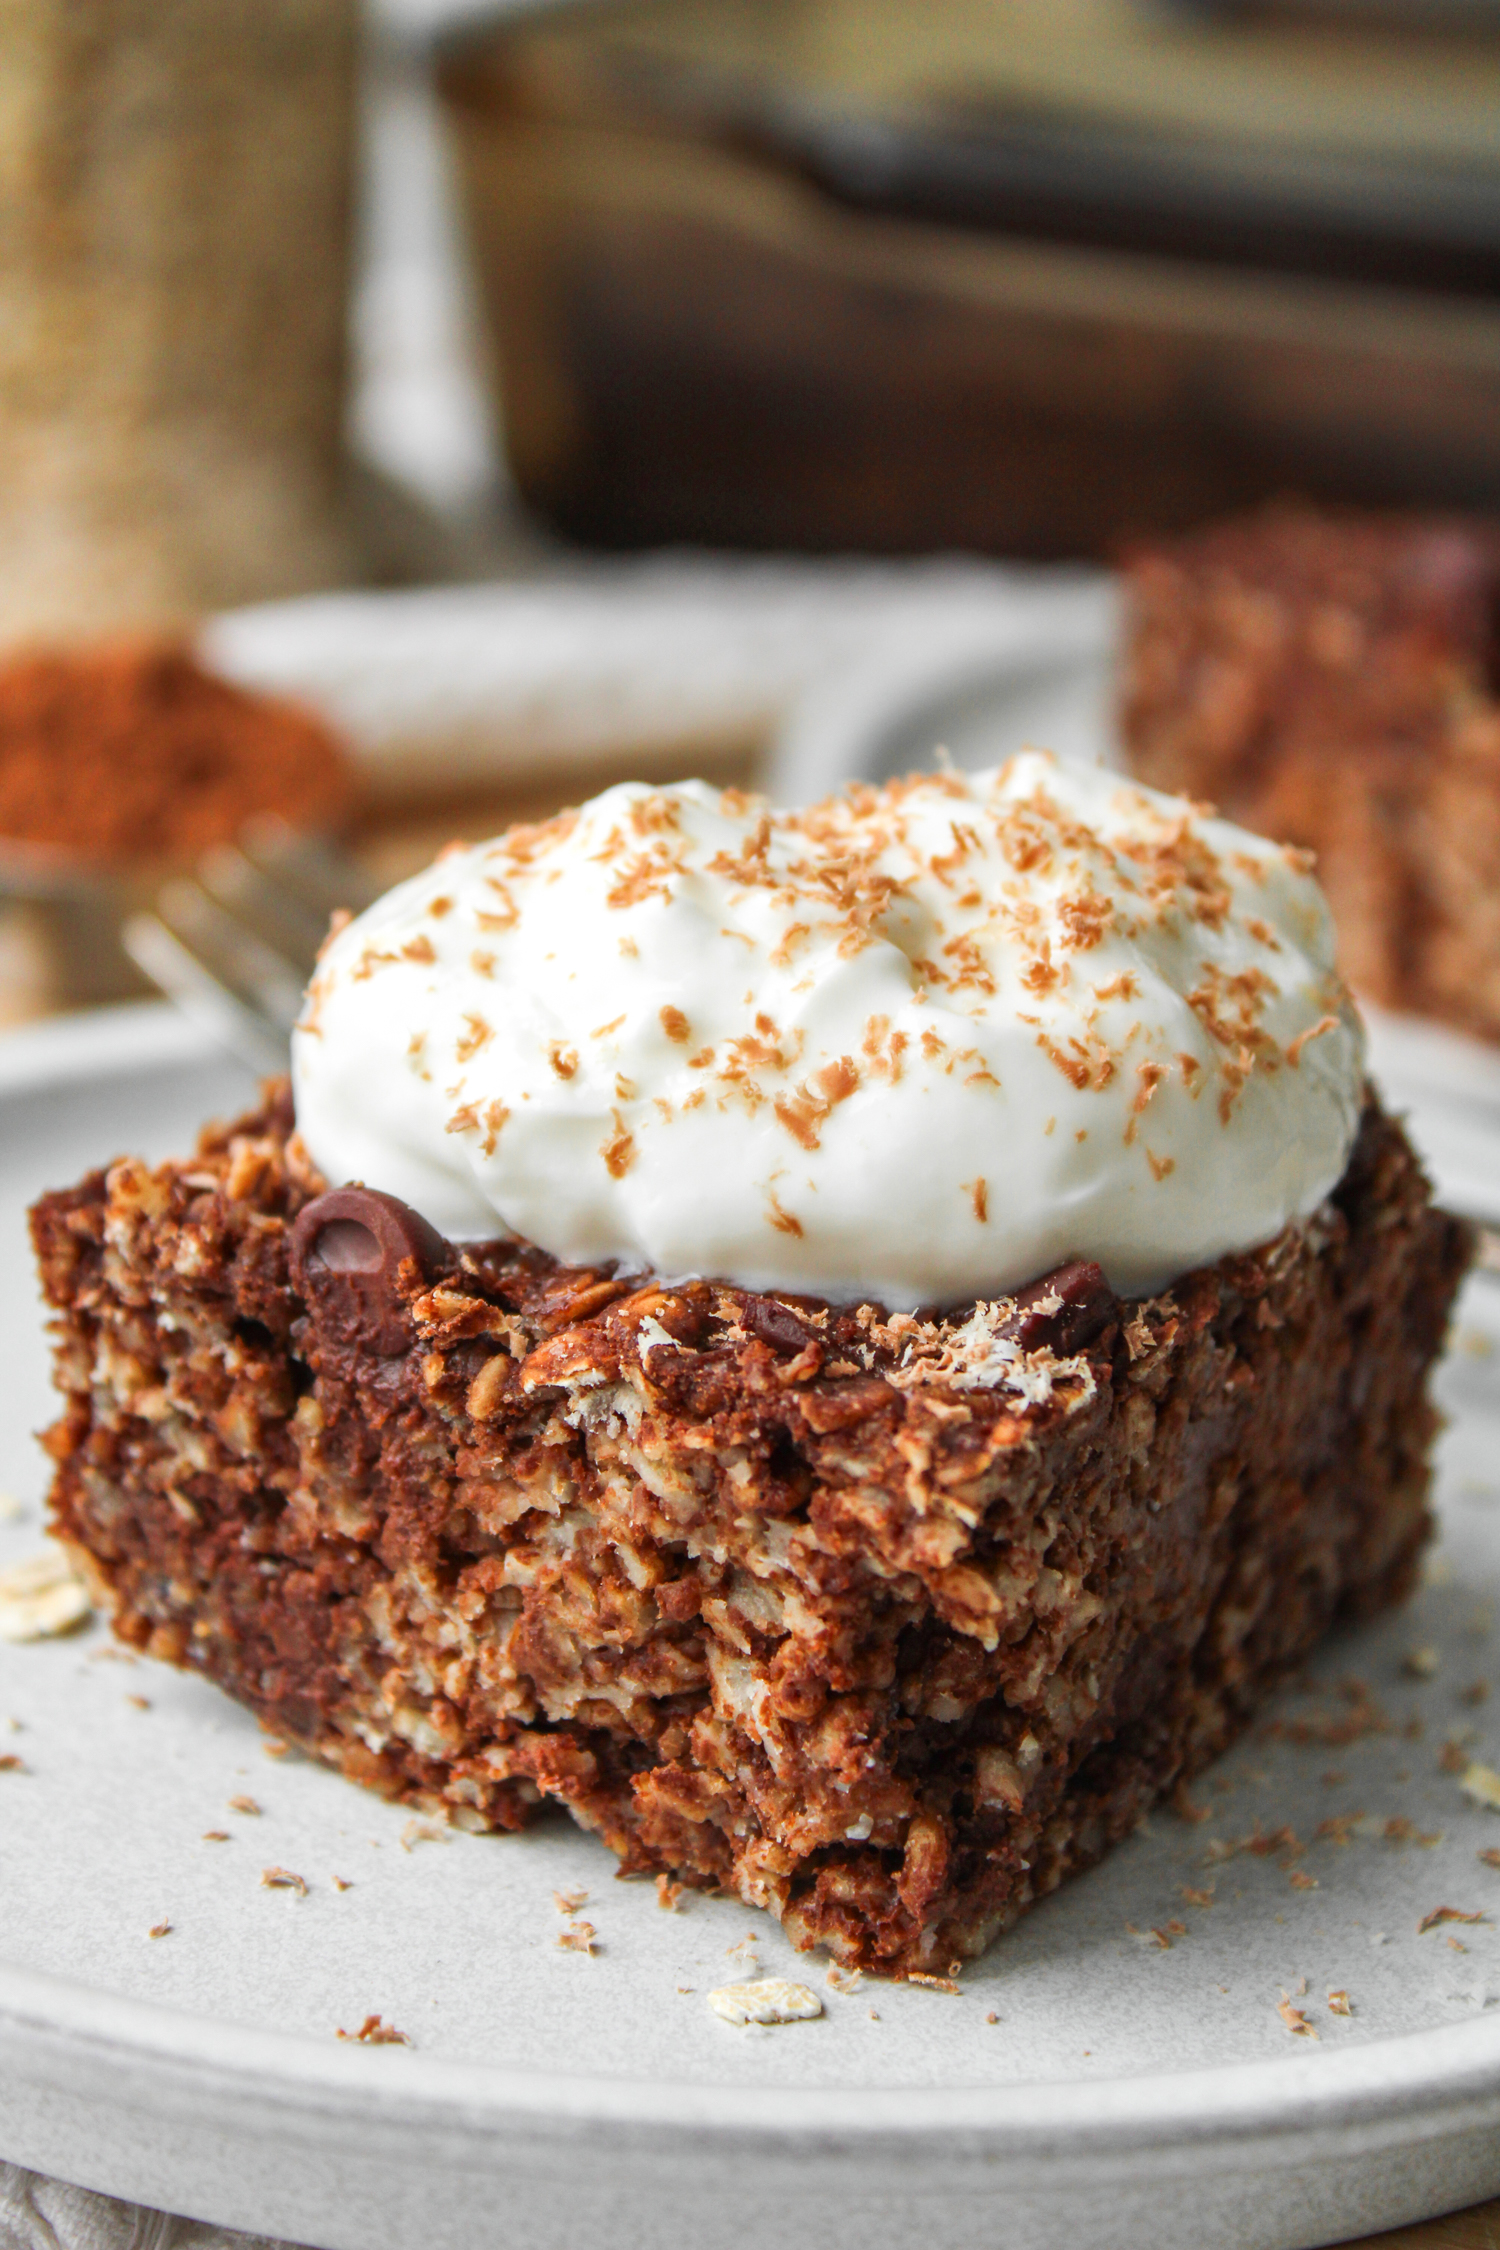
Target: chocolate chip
{"points": [[774, 1323], [1065, 1310], [348, 1246], [358, 1257]]}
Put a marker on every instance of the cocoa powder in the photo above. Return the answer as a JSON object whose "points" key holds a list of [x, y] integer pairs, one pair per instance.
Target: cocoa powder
{"points": [[133, 752]]}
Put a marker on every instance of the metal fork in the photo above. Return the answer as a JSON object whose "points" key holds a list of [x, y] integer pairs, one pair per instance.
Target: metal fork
{"points": [[235, 943]]}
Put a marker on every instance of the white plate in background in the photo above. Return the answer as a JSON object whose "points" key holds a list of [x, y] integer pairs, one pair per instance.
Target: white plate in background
{"points": [[464, 686], [1047, 683]]}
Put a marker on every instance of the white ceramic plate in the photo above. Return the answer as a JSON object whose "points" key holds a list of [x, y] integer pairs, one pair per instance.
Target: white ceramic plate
{"points": [[1087, 2084]]}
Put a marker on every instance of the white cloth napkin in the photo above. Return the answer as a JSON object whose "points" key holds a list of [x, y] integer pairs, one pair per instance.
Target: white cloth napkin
{"points": [[39, 2214]]}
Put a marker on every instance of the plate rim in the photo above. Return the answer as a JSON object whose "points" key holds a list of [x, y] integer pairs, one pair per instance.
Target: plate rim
{"points": [[1402, 2090]]}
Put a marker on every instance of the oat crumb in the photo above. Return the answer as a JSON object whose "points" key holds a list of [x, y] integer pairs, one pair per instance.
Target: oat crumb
{"points": [[282, 1879], [244, 1805], [992, 2017], [1482, 1785], [934, 1984], [769, 2000], [10, 1763], [668, 1892], [579, 1937], [1340, 2004], [216, 1835], [41, 1598], [1447, 1914], [1295, 2019], [376, 2032], [569, 1902], [423, 1832], [341, 1883]]}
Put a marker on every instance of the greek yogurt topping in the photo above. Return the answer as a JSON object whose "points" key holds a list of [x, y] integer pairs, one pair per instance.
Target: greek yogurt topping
{"points": [[917, 1044]]}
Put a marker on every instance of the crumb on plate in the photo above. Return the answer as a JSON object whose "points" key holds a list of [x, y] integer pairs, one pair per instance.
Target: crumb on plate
{"points": [[769, 2000], [282, 1879]]}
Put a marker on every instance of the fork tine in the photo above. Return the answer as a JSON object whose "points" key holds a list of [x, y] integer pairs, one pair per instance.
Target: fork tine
{"points": [[234, 948], [257, 973], [160, 955], [293, 928], [322, 877]]}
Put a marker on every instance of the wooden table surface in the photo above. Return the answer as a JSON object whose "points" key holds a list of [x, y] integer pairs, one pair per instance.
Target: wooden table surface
{"points": [[1475, 2229]]}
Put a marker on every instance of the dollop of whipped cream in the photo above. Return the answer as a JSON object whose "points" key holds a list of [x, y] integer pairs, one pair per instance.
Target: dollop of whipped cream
{"points": [[917, 1044]]}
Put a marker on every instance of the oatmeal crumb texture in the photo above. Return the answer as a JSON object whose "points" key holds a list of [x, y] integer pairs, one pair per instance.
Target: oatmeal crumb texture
{"points": [[885, 1624], [771, 2000], [41, 1597]]}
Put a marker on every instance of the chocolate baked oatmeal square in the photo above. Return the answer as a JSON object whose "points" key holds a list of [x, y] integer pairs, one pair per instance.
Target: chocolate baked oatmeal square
{"points": [[886, 1624]]}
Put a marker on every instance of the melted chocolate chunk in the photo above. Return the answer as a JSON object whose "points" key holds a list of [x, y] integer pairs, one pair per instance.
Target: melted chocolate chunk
{"points": [[1065, 1310], [774, 1323], [358, 1257]]}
